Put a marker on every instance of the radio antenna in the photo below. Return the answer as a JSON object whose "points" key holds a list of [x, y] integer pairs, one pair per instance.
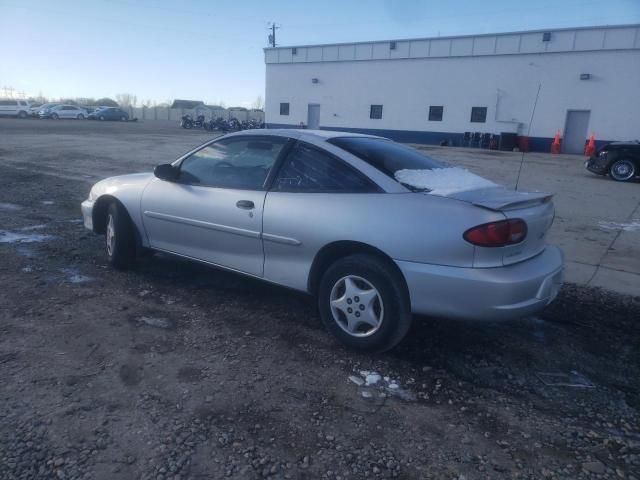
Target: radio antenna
{"points": [[533, 112]]}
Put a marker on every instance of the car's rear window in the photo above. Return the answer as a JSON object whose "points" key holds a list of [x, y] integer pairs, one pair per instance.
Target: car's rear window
{"points": [[386, 155]]}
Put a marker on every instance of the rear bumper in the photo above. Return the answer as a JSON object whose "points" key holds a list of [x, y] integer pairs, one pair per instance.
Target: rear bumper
{"points": [[485, 293], [87, 214]]}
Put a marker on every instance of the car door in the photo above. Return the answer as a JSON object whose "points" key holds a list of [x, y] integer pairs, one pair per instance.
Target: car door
{"points": [[213, 210], [311, 203]]}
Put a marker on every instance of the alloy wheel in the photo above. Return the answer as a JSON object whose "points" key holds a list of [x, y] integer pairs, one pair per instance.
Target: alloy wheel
{"points": [[623, 170], [356, 306], [111, 236]]}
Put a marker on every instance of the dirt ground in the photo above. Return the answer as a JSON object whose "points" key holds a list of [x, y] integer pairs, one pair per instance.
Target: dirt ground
{"points": [[178, 371]]}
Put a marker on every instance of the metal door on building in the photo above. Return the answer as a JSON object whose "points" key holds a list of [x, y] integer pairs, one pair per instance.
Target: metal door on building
{"points": [[575, 131], [313, 116]]}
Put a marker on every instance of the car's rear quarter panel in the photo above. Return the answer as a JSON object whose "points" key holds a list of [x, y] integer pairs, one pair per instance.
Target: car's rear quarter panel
{"points": [[405, 226]]}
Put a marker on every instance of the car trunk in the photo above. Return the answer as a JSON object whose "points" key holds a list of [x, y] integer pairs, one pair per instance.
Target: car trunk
{"points": [[536, 209]]}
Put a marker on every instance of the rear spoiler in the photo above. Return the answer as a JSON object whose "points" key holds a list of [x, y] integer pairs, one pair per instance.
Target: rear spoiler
{"points": [[500, 198]]}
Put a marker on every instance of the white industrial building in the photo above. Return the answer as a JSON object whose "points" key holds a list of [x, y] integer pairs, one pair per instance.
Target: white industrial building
{"points": [[432, 90]]}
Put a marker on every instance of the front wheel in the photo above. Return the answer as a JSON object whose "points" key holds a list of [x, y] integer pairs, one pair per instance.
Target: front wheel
{"points": [[101, 118], [622, 170], [363, 301], [119, 237], [55, 116], [22, 115], [123, 118]]}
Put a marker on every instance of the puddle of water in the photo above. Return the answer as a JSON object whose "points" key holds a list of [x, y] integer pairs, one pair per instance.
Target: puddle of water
{"points": [[25, 251], [7, 236], [373, 385], [10, 206], [572, 379], [627, 227]]}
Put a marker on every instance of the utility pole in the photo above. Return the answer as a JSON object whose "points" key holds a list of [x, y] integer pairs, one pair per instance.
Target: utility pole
{"points": [[272, 35]]}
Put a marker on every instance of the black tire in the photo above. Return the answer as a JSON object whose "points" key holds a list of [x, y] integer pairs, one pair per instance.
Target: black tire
{"points": [[22, 115], [623, 170], [393, 299], [101, 118], [80, 116], [121, 253], [123, 118], [55, 116]]}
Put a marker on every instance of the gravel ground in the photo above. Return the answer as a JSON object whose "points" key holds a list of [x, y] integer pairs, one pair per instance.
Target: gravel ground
{"points": [[177, 371]]}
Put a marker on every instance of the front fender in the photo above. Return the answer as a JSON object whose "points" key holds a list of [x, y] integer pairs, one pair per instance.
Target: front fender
{"points": [[127, 190]]}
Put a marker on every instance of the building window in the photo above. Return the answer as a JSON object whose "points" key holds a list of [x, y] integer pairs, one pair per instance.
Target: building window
{"points": [[435, 113], [284, 109], [375, 112], [478, 114]]}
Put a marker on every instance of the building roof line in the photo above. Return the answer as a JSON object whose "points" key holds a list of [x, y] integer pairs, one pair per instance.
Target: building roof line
{"points": [[451, 37]]}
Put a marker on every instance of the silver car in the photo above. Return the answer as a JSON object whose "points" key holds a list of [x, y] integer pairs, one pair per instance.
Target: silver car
{"points": [[375, 230]]}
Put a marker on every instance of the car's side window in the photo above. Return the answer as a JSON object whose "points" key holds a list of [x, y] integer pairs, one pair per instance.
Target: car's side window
{"points": [[309, 169], [240, 162]]}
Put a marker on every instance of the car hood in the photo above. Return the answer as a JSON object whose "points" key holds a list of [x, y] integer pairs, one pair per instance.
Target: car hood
{"points": [[614, 145], [120, 183]]}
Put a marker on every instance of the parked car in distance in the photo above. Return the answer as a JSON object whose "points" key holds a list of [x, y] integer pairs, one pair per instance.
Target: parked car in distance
{"points": [[373, 229], [14, 108], [63, 111], [109, 113], [619, 160], [33, 109], [35, 112]]}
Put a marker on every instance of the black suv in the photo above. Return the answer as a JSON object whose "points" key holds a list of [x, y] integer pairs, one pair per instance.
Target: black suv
{"points": [[621, 160]]}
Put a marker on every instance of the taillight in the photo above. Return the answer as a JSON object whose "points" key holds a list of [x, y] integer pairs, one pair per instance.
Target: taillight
{"points": [[497, 234]]}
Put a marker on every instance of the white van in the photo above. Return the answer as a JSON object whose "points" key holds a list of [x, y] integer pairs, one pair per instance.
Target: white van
{"points": [[14, 108]]}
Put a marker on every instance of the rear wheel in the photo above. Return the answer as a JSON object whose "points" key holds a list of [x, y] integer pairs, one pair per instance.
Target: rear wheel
{"points": [[22, 115], [364, 302], [622, 170], [120, 241]]}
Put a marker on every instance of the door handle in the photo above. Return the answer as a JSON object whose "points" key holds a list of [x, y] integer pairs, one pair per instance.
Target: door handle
{"points": [[245, 204]]}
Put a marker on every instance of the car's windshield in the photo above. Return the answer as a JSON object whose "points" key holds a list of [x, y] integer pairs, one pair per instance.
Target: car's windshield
{"points": [[387, 156]]}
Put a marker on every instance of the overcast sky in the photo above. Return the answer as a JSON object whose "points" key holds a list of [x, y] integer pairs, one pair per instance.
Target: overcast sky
{"points": [[212, 50]]}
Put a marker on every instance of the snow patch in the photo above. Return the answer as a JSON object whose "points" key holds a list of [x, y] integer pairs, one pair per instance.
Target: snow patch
{"points": [[373, 385], [33, 227], [443, 181], [627, 227], [10, 206], [73, 275], [7, 236]]}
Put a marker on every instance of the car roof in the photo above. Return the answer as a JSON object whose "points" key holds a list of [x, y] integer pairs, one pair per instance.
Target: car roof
{"points": [[302, 134]]}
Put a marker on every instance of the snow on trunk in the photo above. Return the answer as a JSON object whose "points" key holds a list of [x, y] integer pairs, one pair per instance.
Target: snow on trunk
{"points": [[443, 181]]}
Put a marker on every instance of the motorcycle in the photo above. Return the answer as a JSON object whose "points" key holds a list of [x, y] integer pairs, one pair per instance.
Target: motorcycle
{"points": [[188, 122]]}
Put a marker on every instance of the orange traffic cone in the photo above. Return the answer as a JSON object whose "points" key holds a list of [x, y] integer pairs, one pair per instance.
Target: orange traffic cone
{"points": [[590, 148], [555, 146]]}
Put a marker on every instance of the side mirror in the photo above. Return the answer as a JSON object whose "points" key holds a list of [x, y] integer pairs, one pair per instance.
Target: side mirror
{"points": [[167, 172]]}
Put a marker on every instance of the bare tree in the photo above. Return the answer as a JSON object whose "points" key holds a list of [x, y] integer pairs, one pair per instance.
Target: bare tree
{"points": [[258, 104], [126, 99]]}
